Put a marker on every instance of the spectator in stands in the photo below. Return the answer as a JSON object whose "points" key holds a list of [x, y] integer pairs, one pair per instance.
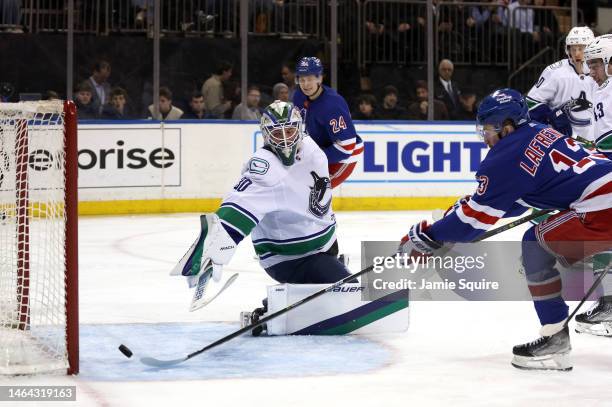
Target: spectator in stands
{"points": [[366, 108], [213, 93], [10, 16], [166, 110], [519, 17], [390, 110], [7, 90], [499, 22], [418, 110], [545, 24], [445, 90], [487, 31], [408, 31], [280, 91], [117, 108], [197, 108], [99, 83], [377, 37], [86, 108], [467, 105], [288, 75], [51, 95], [481, 14], [365, 84], [251, 110], [144, 12]]}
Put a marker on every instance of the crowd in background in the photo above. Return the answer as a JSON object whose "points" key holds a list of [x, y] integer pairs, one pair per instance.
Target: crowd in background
{"points": [[218, 97]]}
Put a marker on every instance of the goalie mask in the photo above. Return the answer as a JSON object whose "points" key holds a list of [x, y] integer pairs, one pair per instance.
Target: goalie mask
{"points": [[281, 125]]}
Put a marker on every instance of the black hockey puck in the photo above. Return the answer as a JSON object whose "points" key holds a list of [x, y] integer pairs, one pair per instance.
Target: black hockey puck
{"points": [[125, 350]]}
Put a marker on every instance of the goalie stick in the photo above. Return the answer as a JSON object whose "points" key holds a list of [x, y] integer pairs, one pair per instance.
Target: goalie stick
{"points": [[150, 361]]}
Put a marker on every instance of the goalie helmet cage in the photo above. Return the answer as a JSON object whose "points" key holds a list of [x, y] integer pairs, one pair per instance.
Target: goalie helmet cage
{"points": [[39, 330]]}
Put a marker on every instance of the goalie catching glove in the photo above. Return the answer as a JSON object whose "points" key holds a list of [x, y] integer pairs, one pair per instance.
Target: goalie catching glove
{"points": [[205, 259], [417, 243]]}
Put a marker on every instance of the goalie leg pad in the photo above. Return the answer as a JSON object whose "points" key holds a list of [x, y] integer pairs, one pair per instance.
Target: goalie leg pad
{"points": [[338, 312]]}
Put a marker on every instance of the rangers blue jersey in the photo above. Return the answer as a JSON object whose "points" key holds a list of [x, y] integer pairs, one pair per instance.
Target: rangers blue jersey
{"points": [[328, 122], [535, 166]]}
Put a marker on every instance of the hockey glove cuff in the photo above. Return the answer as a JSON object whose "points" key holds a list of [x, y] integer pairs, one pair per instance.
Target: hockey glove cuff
{"points": [[417, 242]]}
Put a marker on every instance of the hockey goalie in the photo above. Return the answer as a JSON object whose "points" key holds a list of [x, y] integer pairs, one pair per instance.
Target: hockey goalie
{"points": [[284, 201]]}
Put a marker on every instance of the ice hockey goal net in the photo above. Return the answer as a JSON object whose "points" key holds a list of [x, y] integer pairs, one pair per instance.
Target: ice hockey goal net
{"points": [[38, 238]]}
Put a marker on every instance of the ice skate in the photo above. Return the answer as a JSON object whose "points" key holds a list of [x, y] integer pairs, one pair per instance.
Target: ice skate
{"points": [[598, 319], [546, 353]]}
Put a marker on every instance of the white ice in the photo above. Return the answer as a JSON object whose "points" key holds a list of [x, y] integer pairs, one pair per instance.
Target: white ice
{"points": [[455, 353]]}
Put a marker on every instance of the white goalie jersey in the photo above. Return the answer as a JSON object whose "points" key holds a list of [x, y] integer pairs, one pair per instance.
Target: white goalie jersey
{"points": [[560, 83], [287, 210]]}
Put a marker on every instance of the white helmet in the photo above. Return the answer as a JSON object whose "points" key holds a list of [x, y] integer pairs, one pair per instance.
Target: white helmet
{"points": [[578, 36], [600, 48]]}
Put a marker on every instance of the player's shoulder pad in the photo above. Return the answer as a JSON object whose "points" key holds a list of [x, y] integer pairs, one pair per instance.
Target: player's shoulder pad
{"points": [[312, 152], [552, 71], [264, 168], [556, 65], [333, 106]]}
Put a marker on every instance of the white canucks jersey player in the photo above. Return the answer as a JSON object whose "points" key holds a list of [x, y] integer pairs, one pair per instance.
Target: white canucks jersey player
{"points": [[598, 54], [283, 200], [562, 95]]}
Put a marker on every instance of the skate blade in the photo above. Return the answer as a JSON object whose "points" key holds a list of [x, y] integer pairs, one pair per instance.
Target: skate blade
{"points": [[245, 319], [560, 361], [599, 329]]}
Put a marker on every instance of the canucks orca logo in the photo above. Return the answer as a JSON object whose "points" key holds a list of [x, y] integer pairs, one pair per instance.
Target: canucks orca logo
{"points": [[317, 193], [580, 104]]}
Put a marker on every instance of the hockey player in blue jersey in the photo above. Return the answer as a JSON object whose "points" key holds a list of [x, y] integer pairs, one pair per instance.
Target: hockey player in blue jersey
{"points": [[532, 165], [327, 119]]}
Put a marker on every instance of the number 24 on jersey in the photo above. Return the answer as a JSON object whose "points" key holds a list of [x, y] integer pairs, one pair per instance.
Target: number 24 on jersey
{"points": [[337, 125]]}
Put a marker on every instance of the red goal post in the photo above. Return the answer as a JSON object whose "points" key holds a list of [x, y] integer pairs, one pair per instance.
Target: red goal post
{"points": [[39, 330]]}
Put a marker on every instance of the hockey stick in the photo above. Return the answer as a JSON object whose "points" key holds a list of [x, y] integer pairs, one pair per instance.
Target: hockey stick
{"points": [[584, 141], [149, 361], [551, 329]]}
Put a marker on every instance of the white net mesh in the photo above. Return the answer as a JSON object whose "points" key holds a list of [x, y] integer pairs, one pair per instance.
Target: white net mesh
{"points": [[32, 238]]}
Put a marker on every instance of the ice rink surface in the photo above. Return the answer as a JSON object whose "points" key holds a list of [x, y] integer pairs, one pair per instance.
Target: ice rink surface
{"points": [[454, 353]]}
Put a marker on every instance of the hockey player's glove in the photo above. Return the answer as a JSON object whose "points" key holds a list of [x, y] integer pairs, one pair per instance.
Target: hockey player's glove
{"points": [[559, 121], [417, 243]]}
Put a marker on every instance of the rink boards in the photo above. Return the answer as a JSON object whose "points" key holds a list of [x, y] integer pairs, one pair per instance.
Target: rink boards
{"points": [[187, 166]]}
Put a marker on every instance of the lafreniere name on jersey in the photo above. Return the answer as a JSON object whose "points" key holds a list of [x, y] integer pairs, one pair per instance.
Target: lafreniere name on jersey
{"points": [[538, 147]]}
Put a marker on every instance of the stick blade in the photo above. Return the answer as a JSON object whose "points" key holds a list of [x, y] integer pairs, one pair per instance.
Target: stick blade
{"points": [[149, 361]]}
